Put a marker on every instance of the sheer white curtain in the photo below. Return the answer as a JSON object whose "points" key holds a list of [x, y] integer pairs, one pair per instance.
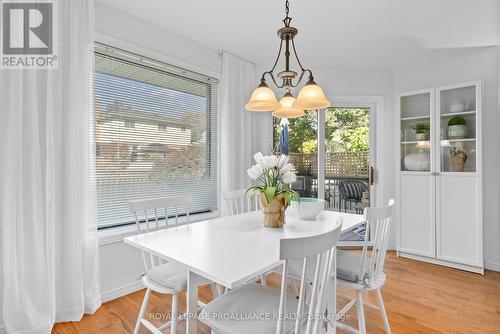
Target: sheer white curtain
{"points": [[48, 246], [242, 132]]}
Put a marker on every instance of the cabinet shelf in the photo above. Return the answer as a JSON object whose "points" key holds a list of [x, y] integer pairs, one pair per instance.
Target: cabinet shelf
{"points": [[415, 142], [462, 113], [415, 118], [457, 140]]}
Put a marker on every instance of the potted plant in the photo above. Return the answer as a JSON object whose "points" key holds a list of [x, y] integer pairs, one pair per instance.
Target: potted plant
{"points": [[274, 174], [421, 131], [457, 128], [458, 158]]}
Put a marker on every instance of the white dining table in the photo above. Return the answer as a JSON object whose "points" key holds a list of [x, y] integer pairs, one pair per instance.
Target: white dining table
{"points": [[232, 250]]}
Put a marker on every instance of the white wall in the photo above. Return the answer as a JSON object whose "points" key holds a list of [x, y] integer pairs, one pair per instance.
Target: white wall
{"points": [[118, 24], [442, 68]]}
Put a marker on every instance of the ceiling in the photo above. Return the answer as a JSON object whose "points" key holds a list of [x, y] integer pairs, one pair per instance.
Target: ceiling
{"points": [[361, 33]]}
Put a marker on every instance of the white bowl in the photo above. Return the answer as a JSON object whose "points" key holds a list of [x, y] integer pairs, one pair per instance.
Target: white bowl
{"points": [[309, 208]]}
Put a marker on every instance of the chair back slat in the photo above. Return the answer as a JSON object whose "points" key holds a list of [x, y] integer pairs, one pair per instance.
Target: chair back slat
{"points": [[238, 202], [149, 214], [378, 223], [322, 249]]}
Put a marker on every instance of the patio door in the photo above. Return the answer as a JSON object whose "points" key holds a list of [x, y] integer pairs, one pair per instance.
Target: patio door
{"points": [[346, 156], [333, 151]]}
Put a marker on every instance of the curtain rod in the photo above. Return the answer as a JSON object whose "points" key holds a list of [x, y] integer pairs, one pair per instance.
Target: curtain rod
{"points": [[220, 52]]}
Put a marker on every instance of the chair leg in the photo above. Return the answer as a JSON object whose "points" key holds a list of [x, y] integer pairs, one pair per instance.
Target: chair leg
{"points": [[361, 313], [144, 306], [295, 288], [383, 313], [263, 280], [175, 312]]}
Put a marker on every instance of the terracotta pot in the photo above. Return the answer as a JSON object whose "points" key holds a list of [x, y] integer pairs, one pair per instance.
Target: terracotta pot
{"points": [[274, 212], [458, 162]]}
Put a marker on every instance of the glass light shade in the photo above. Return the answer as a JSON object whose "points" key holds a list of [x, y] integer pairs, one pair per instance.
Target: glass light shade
{"points": [[311, 96], [286, 109], [262, 99]]}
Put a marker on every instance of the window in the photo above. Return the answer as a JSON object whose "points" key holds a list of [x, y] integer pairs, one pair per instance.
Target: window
{"points": [[136, 99]]}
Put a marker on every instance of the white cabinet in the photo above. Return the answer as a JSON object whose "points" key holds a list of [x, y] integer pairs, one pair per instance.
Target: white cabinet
{"points": [[439, 176]]}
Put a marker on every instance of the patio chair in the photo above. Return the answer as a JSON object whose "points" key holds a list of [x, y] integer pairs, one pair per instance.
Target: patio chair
{"points": [[351, 192]]}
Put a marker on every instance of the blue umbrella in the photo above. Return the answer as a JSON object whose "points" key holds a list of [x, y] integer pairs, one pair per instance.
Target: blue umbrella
{"points": [[284, 136]]}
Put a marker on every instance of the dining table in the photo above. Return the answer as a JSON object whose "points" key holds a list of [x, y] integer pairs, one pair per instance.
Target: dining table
{"points": [[233, 250]]}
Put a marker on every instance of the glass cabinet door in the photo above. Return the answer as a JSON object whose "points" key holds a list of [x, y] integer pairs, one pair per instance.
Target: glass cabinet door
{"points": [[457, 128], [416, 131]]}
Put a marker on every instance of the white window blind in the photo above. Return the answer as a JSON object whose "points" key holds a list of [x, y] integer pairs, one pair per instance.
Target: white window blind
{"points": [[155, 134]]}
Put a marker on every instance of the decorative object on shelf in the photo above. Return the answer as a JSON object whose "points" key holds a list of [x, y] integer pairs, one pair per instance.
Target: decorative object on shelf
{"points": [[419, 161], [308, 207], [421, 131], [458, 157], [311, 96], [274, 172], [457, 128], [458, 106]]}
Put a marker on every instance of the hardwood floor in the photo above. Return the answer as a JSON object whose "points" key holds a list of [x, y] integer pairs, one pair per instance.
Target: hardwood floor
{"points": [[419, 297]]}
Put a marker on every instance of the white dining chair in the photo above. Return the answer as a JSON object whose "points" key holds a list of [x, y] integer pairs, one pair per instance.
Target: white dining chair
{"points": [[365, 272], [263, 303], [159, 276], [238, 202]]}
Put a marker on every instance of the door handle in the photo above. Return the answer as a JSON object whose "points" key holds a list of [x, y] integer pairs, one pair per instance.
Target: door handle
{"points": [[370, 176]]}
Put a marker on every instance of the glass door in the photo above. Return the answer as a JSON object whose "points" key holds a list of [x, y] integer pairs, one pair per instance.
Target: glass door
{"points": [[416, 130], [457, 126], [343, 174], [347, 162]]}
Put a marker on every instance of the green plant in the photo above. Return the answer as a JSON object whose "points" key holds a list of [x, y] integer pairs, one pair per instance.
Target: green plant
{"points": [[274, 174], [421, 128], [457, 121]]}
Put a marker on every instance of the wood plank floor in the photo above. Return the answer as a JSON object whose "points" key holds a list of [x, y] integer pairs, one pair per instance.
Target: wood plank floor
{"points": [[419, 297]]}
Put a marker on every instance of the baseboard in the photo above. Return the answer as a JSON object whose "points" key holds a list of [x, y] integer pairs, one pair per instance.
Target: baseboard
{"points": [[446, 263], [492, 266], [121, 291]]}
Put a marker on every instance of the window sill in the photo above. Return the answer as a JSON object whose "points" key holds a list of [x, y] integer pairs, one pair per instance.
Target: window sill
{"points": [[117, 234]]}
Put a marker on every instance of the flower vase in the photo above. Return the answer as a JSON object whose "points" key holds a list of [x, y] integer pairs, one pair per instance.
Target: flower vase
{"points": [[458, 162], [274, 212]]}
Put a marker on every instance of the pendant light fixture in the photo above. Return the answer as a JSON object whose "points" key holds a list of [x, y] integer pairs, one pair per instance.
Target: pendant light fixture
{"points": [[311, 96]]}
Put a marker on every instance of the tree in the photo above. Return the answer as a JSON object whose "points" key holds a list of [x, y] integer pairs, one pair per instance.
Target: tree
{"points": [[302, 133], [346, 130]]}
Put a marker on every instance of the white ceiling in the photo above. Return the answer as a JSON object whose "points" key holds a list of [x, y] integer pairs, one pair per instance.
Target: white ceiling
{"points": [[380, 33]]}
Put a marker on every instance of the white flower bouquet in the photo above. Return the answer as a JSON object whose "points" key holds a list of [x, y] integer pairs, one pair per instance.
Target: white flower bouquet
{"points": [[274, 173]]}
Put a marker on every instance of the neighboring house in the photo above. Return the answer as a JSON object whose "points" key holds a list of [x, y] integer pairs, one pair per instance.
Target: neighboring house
{"points": [[136, 139]]}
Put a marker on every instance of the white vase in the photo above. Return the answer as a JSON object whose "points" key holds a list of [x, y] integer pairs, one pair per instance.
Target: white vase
{"points": [[419, 161], [457, 131]]}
